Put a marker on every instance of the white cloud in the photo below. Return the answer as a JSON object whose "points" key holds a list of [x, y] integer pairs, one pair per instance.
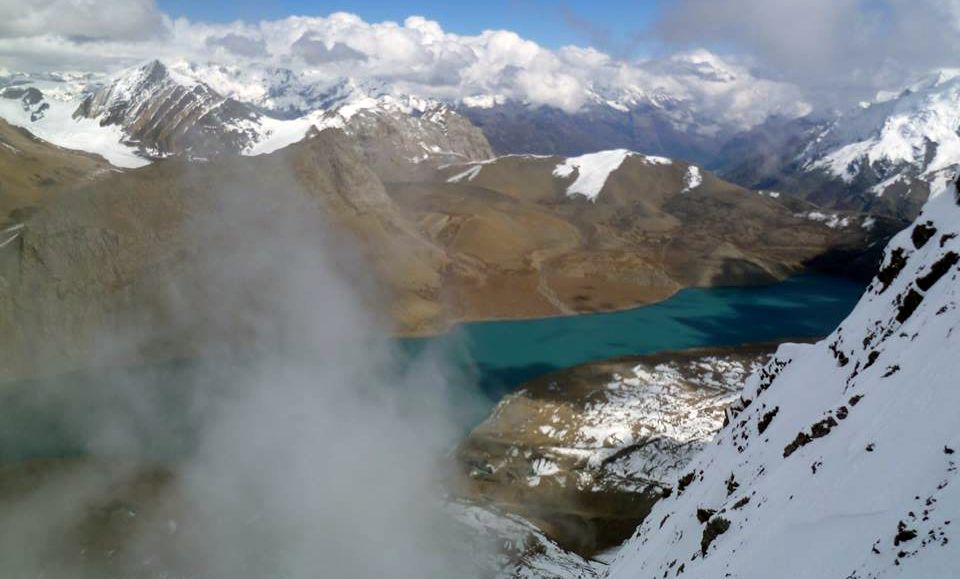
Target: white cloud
{"points": [[239, 44], [415, 56], [80, 19], [839, 51]]}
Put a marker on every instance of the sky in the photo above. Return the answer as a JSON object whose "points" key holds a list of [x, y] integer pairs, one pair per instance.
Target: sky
{"points": [[736, 61], [613, 23]]}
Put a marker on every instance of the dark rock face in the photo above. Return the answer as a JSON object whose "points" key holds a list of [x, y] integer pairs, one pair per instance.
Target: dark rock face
{"points": [[715, 527], [164, 117], [909, 304], [922, 233], [889, 272], [30, 98], [938, 270], [766, 419]]}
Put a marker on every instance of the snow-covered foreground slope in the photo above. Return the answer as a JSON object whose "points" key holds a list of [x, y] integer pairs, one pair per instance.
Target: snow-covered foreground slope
{"points": [[840, 459]]}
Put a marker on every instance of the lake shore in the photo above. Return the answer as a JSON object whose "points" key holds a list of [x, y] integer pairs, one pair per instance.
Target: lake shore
{"points": [[585, 452]]}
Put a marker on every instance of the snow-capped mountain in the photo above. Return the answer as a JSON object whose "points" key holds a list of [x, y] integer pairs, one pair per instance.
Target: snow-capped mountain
{"points": [[840, 458], [683, 108], [900, 146], [157, 110], [880, 157], [898, 137], [885, 155], [45, 105], [163, 113]]}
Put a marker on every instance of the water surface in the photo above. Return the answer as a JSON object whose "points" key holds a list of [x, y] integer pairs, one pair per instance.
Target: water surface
{"points": [[507, 353], [163, 406]]}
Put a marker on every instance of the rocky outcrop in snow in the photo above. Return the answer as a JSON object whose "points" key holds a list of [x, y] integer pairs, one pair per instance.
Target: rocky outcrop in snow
{"points": [[840, 458]]}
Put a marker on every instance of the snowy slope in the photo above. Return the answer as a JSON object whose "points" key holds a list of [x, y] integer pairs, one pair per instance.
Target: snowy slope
{"points": [[525, 552], [47, 111], [840, 459], [158, 109], [899, 138]]}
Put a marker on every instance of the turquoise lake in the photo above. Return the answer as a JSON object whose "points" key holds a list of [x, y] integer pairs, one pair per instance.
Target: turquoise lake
{"points": [[58, 416], [507, 353]]}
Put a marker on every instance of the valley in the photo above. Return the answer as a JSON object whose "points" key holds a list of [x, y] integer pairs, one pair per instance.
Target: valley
{"points": [[43, 445], [319, 297]]}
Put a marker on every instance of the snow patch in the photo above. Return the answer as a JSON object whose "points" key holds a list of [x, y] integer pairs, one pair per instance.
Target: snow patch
{"points": [[470, 174], [593, 170], [831, 220], [692, 179]]}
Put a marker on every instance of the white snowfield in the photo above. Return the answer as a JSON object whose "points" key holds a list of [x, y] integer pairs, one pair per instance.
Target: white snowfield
{"points": [[57, 125], [841, 459], [593, 170]]}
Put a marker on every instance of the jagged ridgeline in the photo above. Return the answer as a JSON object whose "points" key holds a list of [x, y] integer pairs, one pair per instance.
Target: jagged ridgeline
{"points": [[883, 156]]}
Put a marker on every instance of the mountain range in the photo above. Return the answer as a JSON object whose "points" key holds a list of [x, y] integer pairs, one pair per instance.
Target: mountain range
{"points": [[741, 463], [883, 156]]}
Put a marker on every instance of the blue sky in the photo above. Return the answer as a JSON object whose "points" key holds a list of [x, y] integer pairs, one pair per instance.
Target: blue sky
{"points": [[612, 25]]}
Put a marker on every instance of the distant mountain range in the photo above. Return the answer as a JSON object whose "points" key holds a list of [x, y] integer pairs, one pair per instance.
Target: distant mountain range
{"points": [[881, 157]]}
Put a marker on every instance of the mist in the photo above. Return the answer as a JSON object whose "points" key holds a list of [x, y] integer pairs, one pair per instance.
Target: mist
{"points": [[297, 440], [836, 51]]}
